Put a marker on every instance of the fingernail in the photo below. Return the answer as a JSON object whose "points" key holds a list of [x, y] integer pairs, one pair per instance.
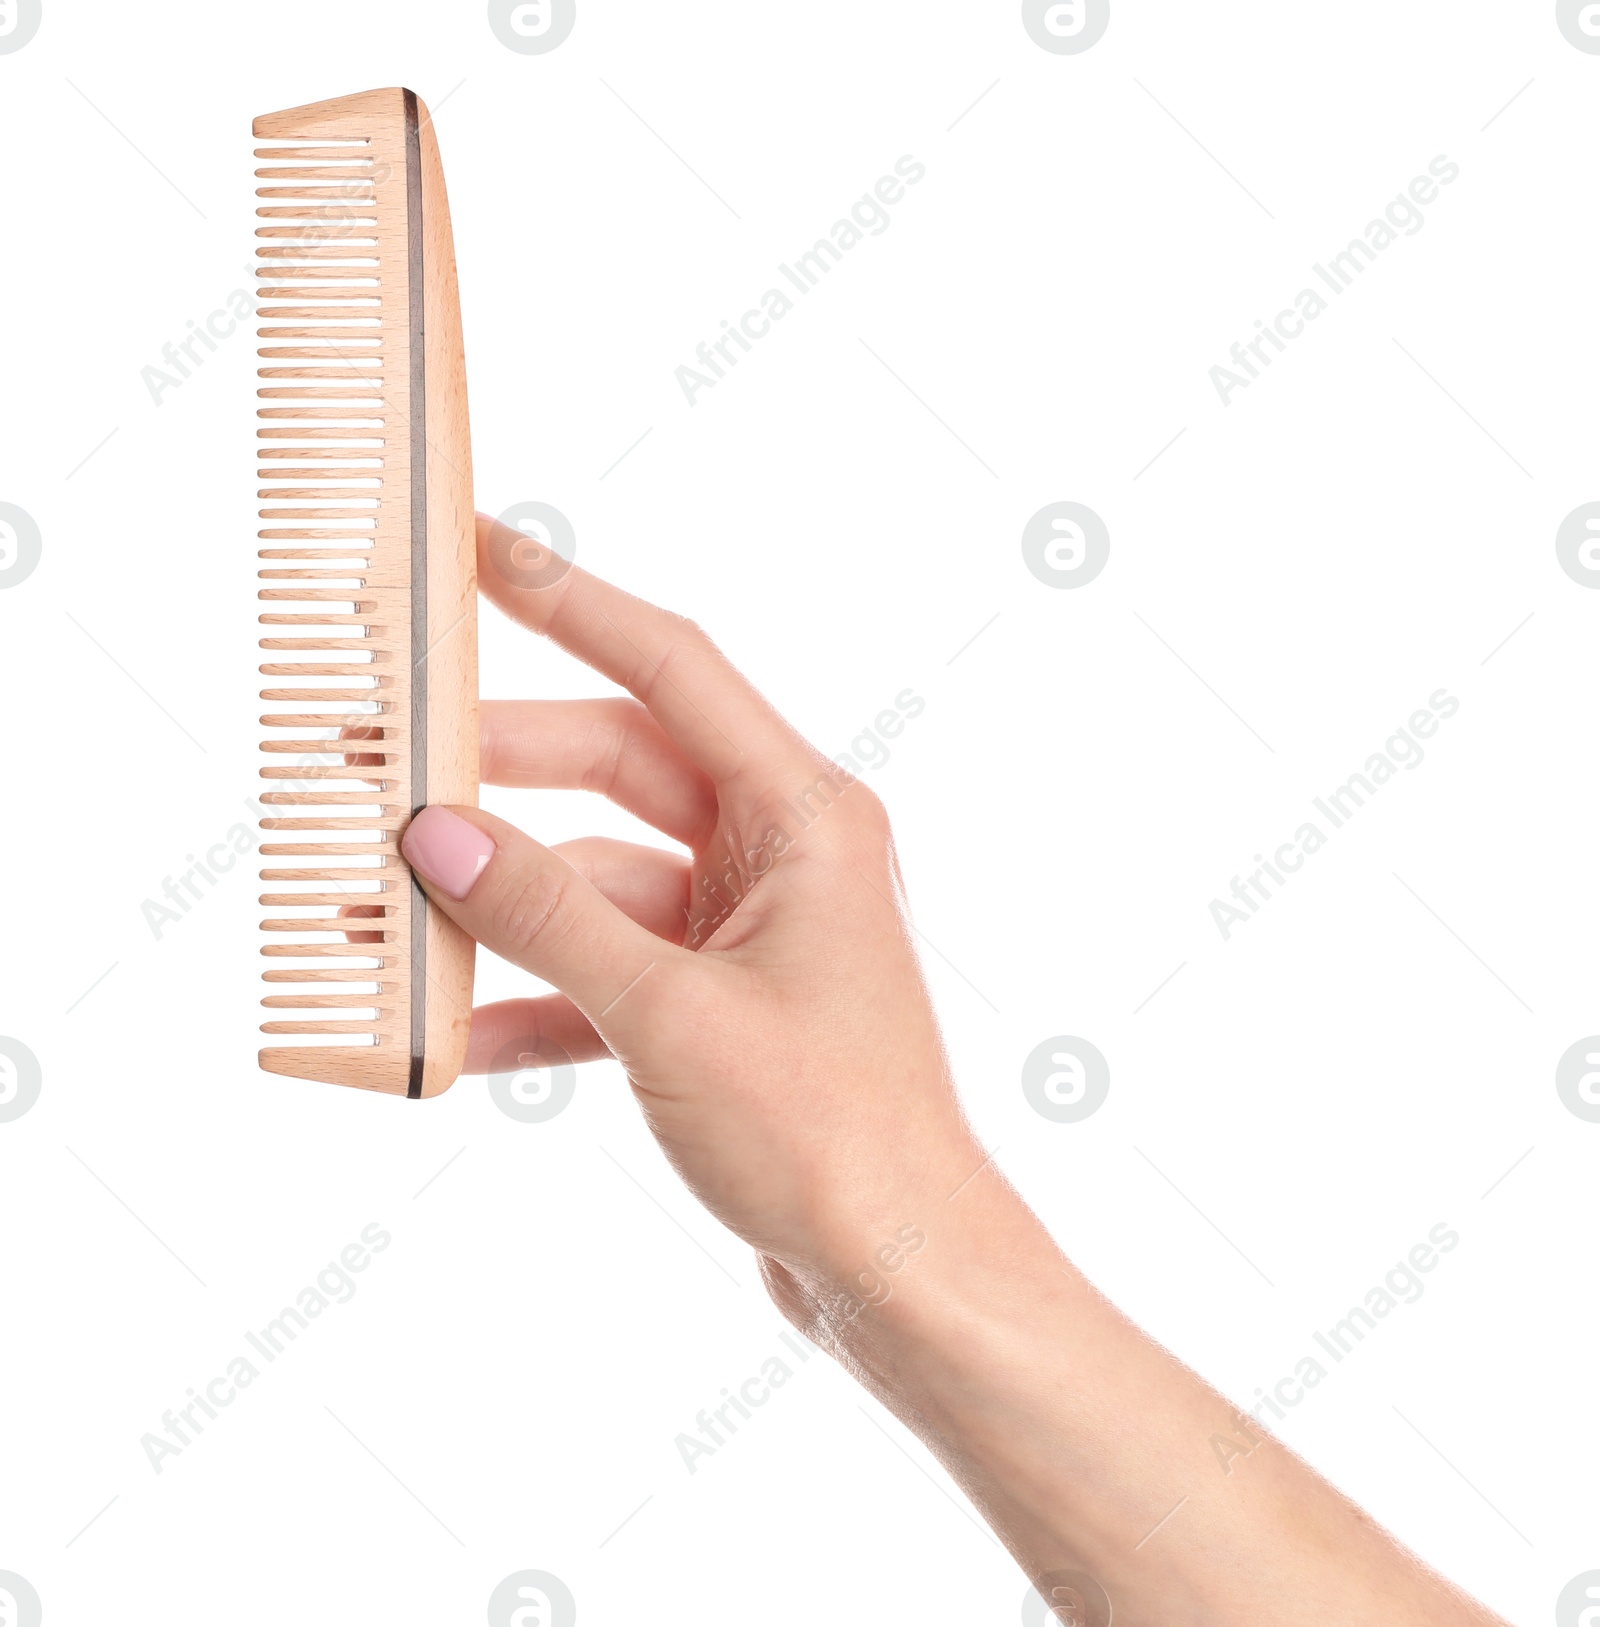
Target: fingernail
{"points": [[444, 849]]}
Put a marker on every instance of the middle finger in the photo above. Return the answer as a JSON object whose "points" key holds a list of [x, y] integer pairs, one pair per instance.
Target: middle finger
{"points": [[611, 746]]}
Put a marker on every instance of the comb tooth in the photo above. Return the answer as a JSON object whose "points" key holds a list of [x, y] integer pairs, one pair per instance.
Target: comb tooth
{"points": [[316, 1028], [350, 247], [314, 669], [323, 850], [356, 146], [328, 822], [329, 873], [365, 744], [306, 900], [318, 173], [314, 454], [322, 951], [324, 799], [319, 353], [285, 280], [354, 776], [352, 191], [315, 533], [310, 575], [318, 573], [317, 695], [341, 222], [310, 553], [342, 231], [312, 644], [326, 975], [370, 925], [317, 720], [319, 1002], [370, 295], [308, 373]]}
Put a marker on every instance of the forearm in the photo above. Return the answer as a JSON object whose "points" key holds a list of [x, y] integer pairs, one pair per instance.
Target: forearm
{"points": [[790, 1064], [1089, 1449]]}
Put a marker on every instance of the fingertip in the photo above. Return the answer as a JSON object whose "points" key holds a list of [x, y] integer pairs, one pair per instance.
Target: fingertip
{"points": [[545, 1031], [482, 1041], [447, 851], [361, 912]]}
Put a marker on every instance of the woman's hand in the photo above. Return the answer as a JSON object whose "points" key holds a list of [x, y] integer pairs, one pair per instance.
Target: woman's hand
{"points": [[764, 998], [762, 994]]}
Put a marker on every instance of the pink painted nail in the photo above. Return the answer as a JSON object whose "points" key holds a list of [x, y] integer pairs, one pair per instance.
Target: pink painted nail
{"points": [[444, 849]]}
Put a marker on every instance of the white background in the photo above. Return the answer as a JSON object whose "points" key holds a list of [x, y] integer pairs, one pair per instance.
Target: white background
{"points": [[1293, 1110]]}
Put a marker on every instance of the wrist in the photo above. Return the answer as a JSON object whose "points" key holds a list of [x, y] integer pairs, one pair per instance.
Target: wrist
{"points": [[958, 1266]]}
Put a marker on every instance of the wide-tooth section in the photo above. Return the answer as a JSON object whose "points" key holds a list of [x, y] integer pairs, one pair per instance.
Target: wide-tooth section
{"points": [[335, 572]]}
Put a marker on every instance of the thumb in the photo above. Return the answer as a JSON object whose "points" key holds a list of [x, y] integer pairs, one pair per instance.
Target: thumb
{"points": [[532, 908]]}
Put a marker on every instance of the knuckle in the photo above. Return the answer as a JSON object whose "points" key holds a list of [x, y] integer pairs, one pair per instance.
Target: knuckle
{"points": [[685, 637], [528, 908], [496, 730], [848, 802], [682, 641], [863, 827], [604, 751], [868, 810], [489, 763]]}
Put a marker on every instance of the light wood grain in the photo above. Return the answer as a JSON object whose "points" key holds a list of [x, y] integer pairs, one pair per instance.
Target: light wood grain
{"points": [[336, 449]]}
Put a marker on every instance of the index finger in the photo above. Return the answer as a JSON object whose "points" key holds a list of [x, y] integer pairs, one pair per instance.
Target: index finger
{"points": [[708, 708]]}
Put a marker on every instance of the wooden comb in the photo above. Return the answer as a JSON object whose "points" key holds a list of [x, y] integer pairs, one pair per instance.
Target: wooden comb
{"points": [[369, 586]]}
